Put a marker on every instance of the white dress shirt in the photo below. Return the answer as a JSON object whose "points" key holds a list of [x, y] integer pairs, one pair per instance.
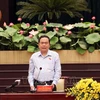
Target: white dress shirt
{"points": [[44, 68]]}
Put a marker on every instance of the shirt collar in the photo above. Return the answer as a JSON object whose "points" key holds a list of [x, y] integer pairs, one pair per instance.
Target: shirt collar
{"points": [[48, 53]]}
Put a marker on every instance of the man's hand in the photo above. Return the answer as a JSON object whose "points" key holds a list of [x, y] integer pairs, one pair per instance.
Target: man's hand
{"points": [[52, 85], [32, 89]]}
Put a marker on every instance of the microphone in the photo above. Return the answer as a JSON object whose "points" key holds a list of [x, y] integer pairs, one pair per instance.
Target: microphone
{"points": [[39, 72], [32, 91], [14, 84], [40, 68]]}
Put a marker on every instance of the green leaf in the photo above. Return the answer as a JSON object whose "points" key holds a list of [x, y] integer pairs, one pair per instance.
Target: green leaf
{"points": [[24, 25], [50, 34], [39, 27], [5, 35], [10, 31], [65, 39], [17, 38], [62, 32], [54, 25], [31, 49], [91, 49], [54, 40], [35, 38], [32, 26], [75, 43], [28, 39], [1, 29], [82, 44], [58, 46], [92, 38], [83, 25], [42, 34], [80, 50], [17, 26], [5, 42], [20, 44]]}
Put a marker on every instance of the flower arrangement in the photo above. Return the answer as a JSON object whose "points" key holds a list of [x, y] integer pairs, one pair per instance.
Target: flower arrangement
{"points": [[85, 89], [80, 36]]}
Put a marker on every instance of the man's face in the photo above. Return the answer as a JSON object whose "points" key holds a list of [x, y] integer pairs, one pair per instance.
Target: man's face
{"points": [[44, 44]]}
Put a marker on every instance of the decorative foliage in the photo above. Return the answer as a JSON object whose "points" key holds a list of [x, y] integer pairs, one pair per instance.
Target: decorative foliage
{"points": [[51, 9], [80, 36], [85, 89]]}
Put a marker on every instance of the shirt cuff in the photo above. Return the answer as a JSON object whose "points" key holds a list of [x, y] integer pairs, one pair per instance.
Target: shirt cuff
{"points": [[54, 82], [31, 84]]}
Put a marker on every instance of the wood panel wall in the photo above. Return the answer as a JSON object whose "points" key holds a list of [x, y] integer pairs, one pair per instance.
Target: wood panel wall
{"points": [[71, 72], [66, 56], [14, 65]]}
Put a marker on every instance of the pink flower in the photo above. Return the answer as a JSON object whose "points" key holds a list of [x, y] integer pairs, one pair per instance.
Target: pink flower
{"points": [[30, 36], [11, 24], [33, 32], [57, 29], [81, 19], [21, 31], [44, 28], [92, 26], [19, 19], [28, 24], [69, 32], [93, 18], [45, 23], [4, 24]]}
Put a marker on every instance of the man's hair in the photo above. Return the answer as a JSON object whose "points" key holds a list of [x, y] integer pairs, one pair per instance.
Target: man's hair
{"points": [[43, 36]]}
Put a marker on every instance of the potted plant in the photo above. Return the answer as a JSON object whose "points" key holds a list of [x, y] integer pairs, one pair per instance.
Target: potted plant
{"points": [[51, 9], [85, 89], [80, 36]]}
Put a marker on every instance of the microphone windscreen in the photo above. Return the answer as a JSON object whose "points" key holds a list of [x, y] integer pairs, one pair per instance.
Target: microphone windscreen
{"points": [[40, 68], [18, 81]]}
